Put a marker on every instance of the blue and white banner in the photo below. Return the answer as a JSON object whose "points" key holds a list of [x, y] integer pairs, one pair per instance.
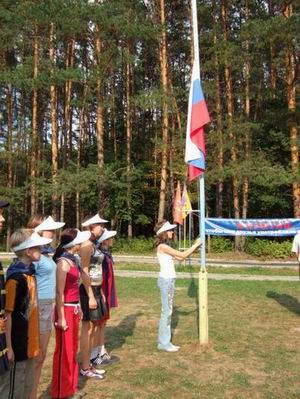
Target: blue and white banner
{"points": [[252, 227]]}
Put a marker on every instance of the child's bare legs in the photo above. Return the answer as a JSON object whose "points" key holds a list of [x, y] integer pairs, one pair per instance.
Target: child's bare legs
{"points": [[39, 361], [98, 340], [87, 333]]}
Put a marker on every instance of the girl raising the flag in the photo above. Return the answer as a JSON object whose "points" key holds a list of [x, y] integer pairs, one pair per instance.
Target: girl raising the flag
{"points": [[166, 280]]}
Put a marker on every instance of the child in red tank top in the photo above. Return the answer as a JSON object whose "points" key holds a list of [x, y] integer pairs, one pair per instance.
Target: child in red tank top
{"points": [[67, 315]]}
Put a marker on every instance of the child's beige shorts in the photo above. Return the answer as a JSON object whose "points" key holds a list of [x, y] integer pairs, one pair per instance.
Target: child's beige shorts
{"points": [[46, 307]]}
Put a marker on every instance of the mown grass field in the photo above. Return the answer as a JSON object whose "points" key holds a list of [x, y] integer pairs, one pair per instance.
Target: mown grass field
{"points": [[274, 271], [254, 349], [252, 270]]}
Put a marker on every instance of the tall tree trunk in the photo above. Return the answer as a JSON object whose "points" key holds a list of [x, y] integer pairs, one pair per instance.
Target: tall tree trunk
{"points": [[128, 138], [100, 140], [219, 121], [245, 184], [9, 103], [9, 147], [54, 132], [171, 157], [292, 121], [34, 134], [175, 105], [155, 156], [259, 96], [230, 115], [165, 120], [21, 141], [68, 96], [79, 151], [67, 136], [113, 119], [272, 70], [99, 124], [272, 56]]}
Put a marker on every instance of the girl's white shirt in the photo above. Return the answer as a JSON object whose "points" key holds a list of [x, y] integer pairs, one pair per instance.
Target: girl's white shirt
{"points": [[167, 266], [296, 245]]}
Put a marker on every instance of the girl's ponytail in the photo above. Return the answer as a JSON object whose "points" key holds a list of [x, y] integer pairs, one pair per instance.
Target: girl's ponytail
{"points": [[58, 252], [67, 236]]}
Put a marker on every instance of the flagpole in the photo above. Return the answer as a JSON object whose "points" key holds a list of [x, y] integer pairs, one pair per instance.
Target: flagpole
{"points": [[190, 234], [203, 309]]}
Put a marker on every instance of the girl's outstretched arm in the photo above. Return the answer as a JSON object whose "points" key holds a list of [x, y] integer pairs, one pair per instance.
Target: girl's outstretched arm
{"points": [[179, 255]]}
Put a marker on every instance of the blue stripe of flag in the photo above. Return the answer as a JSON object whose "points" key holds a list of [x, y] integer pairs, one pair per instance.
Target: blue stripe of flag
{"points": [[197, 92]]}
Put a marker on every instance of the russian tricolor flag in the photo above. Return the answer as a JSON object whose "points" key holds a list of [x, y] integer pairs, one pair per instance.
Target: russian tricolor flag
{"points": [[197, 117]]}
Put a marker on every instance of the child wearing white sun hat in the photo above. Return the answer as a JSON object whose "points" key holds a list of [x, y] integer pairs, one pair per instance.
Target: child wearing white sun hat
{"points": [[91, 297], [67, 315], [45, 273], [99, 356], [23, 338], [166, 280]]}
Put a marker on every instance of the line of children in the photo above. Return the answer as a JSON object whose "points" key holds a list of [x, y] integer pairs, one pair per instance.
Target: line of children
{"points": [[36, 285]]}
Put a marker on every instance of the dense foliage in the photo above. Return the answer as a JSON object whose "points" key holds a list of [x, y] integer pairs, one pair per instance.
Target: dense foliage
{"points": [[81, 105]]}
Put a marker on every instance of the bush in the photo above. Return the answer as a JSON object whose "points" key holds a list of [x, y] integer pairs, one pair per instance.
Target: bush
{"points": [[268, 248], [134, 245], [221, 244], [259, 247]]}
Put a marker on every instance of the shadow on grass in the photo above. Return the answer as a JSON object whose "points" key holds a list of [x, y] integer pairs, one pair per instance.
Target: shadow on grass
{"points": [[192, 293], [116, 338], [289, 302], [116, 335], [176, 315]]}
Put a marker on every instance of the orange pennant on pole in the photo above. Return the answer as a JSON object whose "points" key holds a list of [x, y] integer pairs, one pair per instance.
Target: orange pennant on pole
{"points": [[186, 205], [177, 209]]}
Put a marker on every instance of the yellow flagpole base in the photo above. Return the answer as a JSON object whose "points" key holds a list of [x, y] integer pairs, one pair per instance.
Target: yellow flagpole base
{"points": [[203, 307]]}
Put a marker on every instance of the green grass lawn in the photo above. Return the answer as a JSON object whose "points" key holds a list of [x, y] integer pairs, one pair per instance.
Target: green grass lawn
{"points": [[278, 271], [254, 271], [254, 349], [275, 271]]}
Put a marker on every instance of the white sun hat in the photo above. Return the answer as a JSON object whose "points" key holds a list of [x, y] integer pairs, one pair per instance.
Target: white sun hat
{"points": [[81, 237], [49, 224], [35, 240], [166, 227], [106, 235], [94, 220]]}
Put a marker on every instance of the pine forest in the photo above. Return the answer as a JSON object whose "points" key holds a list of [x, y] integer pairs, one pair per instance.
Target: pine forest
{"points": [[94, 98]]}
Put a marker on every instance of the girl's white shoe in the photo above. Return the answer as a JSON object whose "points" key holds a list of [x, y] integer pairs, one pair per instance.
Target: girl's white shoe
{"points": [[169, 348]]}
